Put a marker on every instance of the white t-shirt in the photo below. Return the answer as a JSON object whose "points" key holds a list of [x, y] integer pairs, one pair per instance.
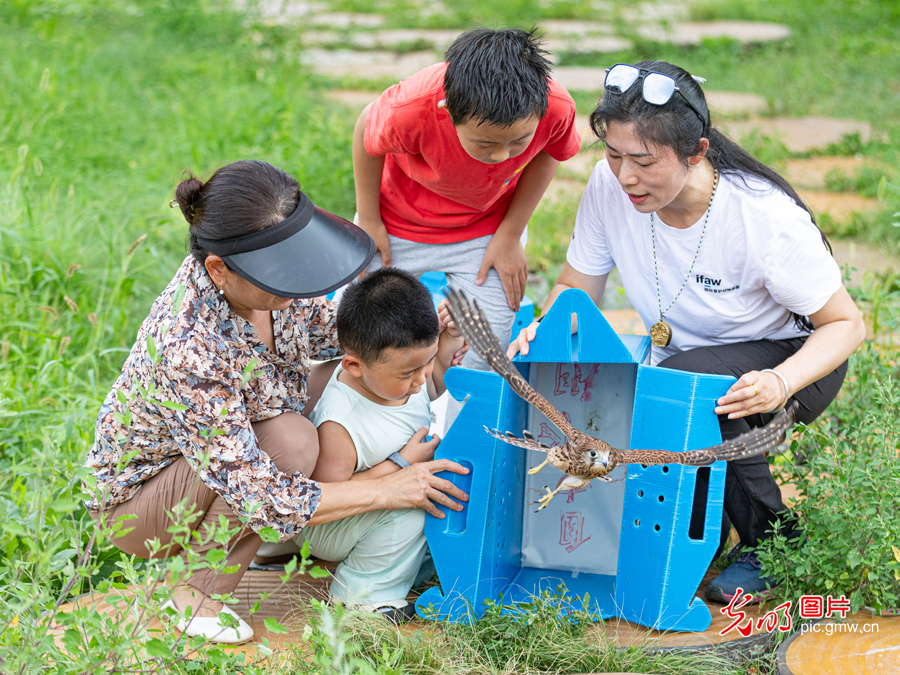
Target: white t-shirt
{"points": [[761, 259], [376, 430]]}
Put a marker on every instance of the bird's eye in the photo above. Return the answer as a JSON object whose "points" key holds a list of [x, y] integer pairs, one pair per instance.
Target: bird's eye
{"points": [[593, 453]]}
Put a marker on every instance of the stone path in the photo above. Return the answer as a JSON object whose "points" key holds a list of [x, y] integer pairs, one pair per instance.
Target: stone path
{"points": [[694, 32], [812, 173], [367, 65], [840, 206], [396, 39], [560, 36], [347, 30], [800, 134], [864, 257], [355, 100]]}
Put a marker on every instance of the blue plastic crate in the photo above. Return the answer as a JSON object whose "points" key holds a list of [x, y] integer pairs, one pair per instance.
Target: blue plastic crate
{"points": [[625, 543]]}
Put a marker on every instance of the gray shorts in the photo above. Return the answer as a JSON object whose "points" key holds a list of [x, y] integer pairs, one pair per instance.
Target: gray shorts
{"points": [[460, 262]]}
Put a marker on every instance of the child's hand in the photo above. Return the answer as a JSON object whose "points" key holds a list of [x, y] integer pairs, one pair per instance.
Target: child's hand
{"points": [[460, 353], [446, 320], [375, 228], [447, 324], [507, 256], [418, 449]]}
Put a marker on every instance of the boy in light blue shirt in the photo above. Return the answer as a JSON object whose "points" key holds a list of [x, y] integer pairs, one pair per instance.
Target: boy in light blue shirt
{"points": [[372, 418]]}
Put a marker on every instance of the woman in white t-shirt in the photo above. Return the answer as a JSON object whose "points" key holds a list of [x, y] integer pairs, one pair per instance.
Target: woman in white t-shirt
{"points": [[725, 265]]}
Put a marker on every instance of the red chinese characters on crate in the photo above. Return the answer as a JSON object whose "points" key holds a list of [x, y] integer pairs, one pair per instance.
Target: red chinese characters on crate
{"points": [[571, 530]]}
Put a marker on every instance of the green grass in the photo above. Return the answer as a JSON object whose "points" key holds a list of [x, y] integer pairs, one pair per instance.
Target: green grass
{"points": [[545, 635], [102, 115], [105, 106]]}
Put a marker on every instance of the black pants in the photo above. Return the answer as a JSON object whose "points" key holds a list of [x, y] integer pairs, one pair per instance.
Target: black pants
{"points": [[752, 497]]}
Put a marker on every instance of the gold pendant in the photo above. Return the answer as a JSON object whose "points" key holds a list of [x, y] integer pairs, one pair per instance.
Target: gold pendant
{"points": [[661, 334]]}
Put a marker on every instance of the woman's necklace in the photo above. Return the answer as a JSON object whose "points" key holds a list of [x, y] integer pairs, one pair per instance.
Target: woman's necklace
{"points": [[661, 332]]}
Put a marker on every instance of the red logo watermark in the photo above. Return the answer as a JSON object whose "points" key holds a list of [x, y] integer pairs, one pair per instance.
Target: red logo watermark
{"points": [[779, 618]]}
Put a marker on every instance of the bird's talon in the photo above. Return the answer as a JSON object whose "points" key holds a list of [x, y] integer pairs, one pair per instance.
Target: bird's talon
{"points": [[543, 501], [535, 469]]}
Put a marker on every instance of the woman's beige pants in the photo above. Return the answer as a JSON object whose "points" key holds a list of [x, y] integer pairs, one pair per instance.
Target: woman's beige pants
{"points": [[286, 439]]}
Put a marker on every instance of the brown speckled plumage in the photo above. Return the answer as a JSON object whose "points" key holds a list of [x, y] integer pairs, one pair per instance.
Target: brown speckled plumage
{"points": [[584, 457]]}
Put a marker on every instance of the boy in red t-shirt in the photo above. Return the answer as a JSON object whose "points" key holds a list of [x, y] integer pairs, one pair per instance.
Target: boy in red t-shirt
{"points": [[451, 162]]}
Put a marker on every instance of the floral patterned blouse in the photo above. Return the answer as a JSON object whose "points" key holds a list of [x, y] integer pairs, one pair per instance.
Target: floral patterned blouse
{"points": [[195, 380]]}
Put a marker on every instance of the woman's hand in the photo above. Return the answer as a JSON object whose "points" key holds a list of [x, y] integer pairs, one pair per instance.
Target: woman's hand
{"points": [[568, 278], [520, 344], [416, 486], [417, 449], [756, 392]]}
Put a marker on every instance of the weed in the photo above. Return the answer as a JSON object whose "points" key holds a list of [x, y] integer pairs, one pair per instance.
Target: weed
{"points": [[849, 479], [546, 634]]}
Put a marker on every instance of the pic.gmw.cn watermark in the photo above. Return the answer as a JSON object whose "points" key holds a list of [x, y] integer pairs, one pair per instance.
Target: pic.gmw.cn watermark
{"points": [[779, 618]]}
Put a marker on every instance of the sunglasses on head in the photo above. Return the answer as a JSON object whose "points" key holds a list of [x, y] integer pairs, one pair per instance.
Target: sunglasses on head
{"points": [[656, 88]]}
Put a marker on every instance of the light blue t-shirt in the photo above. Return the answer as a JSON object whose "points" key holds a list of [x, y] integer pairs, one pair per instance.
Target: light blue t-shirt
{"points": [[376, 430]]}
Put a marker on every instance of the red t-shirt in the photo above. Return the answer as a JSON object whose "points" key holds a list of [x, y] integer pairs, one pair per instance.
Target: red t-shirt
{"points": [[432, 191]]}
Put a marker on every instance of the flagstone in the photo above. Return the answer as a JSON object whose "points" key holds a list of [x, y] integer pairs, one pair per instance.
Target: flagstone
{"points": [[583, 126], [729, 103], [801, 134], [694, 32], [351, 98], [812, 173], [625, 321], [734, 103], [645, 12], [581, 78], [603, 44], [564, 190], [581, 165], [344, 20], [863, 257], [367, 64], [283, 11], [561, 27], [838, 205], [392, 39]]}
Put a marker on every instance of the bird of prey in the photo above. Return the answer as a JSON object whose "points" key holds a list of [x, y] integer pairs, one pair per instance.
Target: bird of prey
{"points": [[584, 457]]}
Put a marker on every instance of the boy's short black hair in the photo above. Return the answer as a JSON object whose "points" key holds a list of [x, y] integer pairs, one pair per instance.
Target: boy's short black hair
{"points": [[387, 308], [496, 77]]}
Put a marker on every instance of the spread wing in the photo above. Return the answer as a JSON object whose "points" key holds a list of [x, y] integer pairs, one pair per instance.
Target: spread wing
{"points": [[529, 442], [754, 442], [477, 331]]}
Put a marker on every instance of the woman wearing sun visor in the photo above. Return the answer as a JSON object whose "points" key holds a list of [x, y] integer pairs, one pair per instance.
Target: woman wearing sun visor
{"points": [[209, 406]]}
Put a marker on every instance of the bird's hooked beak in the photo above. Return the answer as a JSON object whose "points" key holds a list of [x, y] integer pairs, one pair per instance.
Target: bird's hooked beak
{"points": [[597, 458]]}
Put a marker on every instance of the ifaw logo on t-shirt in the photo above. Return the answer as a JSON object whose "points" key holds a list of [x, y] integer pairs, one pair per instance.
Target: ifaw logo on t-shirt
{"points": [[711, 285]]}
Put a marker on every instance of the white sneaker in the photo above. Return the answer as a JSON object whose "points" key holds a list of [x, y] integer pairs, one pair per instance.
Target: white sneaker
{"points": [[395, 611], [212, 628]]}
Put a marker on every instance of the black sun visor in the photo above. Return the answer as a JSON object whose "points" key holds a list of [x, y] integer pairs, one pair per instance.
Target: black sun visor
{"points": [[310, 253]]}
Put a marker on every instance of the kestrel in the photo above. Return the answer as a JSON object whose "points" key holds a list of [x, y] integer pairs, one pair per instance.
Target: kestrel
{"points": [[582, 457]]}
